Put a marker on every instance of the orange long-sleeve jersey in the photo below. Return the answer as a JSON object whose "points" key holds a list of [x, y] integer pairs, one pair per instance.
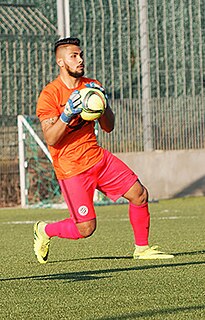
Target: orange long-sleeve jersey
{"points": [[78, 150]]}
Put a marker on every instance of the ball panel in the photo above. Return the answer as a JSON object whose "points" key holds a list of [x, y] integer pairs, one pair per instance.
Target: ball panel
{"points": [[89, 116], [93, 103]]}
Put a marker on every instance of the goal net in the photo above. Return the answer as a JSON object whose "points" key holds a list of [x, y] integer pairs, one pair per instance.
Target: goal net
{"points": [[38, 183]]}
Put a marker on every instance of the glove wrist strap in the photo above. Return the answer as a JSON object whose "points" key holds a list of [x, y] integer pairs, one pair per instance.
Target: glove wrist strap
{"points": [[64, 118]]}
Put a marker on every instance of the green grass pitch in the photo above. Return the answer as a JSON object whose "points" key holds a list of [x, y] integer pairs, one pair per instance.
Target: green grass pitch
{"points": [[96, 278]]}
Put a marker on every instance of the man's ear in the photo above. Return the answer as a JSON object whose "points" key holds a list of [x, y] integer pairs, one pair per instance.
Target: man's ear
{"points": [[60, 62]]}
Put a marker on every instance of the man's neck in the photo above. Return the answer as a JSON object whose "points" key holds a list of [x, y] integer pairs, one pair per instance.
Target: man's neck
{"points": [[70, 82]]}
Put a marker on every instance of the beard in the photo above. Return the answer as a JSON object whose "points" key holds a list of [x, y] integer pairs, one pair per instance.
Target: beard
{"points": [[75, 74]]}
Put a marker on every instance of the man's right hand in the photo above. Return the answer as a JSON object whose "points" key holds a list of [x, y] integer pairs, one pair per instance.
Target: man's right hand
{"points": [[72, 107]]}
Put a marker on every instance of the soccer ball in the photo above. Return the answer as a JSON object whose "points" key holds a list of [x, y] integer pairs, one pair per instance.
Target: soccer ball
{"points": [[93, 103]]}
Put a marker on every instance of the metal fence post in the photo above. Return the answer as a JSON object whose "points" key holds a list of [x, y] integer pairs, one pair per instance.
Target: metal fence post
{"points": [[63, 15], [145, 72]]}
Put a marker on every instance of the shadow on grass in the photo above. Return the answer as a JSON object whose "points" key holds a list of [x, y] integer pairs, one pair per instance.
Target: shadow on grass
{"points": [[72, 276], [188, 253], [177, 254], [151, 313], [100, 274]]}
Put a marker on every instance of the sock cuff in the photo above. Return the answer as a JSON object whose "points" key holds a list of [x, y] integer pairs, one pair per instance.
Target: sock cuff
{"points": [[141, 206]]}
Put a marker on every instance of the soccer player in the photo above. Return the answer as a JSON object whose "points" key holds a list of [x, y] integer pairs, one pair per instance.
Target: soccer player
{"points": [[80, 164]]}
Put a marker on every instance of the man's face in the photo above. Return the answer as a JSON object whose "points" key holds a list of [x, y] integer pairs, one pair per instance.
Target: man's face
{"points": [[73, 61]]}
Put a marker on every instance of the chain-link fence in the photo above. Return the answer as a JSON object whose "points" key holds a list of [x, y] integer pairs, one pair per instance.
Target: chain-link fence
{"points": [[26, 64], [114, 35]]}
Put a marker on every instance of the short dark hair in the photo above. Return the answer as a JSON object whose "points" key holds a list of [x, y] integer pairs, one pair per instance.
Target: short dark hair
{"points": [[64, 41]]}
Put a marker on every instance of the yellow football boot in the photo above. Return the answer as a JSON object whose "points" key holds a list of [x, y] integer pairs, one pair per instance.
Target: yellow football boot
{"points": [[41, 242]]}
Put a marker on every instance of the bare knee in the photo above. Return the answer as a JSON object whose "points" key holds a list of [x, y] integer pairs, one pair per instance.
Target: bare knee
{"points": [[87, 228], [143, 197], [138, 194]]}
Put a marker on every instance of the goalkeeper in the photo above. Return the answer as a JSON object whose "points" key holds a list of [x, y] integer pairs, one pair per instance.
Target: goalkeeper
{"points": [[80, 164]]}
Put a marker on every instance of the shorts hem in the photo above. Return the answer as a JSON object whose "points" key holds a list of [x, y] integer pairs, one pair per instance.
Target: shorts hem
{"points": [[116, 197]]}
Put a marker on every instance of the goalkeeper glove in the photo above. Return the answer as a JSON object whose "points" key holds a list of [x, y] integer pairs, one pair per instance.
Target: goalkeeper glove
{"points": [[72, 107], [93, 85]]}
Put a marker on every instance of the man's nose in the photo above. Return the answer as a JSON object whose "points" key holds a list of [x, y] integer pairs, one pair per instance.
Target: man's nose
{"points": [[80, 59]]}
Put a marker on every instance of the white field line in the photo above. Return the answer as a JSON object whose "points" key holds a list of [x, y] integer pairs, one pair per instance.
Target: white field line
{"points": [[161, 218], [22, 222], [121, 219], [18, 222]]}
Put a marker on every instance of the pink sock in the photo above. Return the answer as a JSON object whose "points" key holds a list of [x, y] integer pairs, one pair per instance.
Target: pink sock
{"points": [[63, 229], [140, 221]]}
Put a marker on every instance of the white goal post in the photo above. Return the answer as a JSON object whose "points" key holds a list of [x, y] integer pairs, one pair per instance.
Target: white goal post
{"points": [[22, 161]]}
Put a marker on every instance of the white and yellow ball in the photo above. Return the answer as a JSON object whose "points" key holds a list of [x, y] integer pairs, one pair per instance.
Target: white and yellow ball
{"points": [[93, 103]]}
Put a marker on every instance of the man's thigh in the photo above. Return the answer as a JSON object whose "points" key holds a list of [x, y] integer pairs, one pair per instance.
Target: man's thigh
{"points": [[115, 178], [78, 193]]}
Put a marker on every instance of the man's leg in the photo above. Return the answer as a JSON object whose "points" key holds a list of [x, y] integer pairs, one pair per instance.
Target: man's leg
{"points": [[63, 229], [140, 221], [69, 229], [115, 180], [139, 213], [82, 221]]}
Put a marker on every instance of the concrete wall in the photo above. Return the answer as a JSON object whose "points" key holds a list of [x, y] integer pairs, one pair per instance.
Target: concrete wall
{"points": [[169, 174]]}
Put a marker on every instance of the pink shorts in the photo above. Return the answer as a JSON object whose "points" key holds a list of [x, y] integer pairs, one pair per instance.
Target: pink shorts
{"points": [[110, 176]]}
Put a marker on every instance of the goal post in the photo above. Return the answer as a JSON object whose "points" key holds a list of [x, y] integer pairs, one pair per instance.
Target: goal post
{"points": [[22, 171], [31, 151]]}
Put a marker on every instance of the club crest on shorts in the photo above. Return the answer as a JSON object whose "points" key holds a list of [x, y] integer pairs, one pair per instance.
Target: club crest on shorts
{"points": [[83, 210]]}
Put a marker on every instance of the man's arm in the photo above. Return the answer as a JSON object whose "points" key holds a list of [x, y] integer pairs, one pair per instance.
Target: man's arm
{"points": [[53, 130], [107, 120]]}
